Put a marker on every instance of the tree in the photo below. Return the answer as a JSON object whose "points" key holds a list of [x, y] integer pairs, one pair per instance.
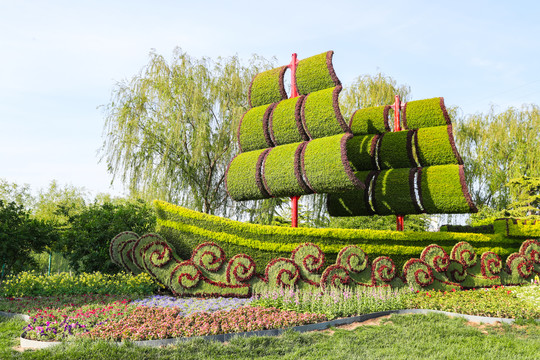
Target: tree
{"points": [[526, 194], [21, 195], [170, 130], [20, 235], [497, 147]]}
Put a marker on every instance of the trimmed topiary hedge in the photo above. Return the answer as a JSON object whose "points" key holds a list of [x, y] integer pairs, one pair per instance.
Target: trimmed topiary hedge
{"points": [[395, 150], [316, 73], [393, 192], [517, 227], [321, 115], [267, 87], [425, 113], [326, 167], [243, 179], [443, 190], [285, 125], [361, 152], [371, 120], [482, 229], [253, 129], [352, 203], [436, 146], [282, 173]]}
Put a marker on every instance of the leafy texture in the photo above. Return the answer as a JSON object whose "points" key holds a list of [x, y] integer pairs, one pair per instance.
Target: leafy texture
{"points": [[393, 193], [361, 152], [286, 123], [316, 73], [352, 203], [267, 87], [395, 150], [243, 176], [253, 129], [321, 115], [371, 120], [435, 146], [425, 113]]}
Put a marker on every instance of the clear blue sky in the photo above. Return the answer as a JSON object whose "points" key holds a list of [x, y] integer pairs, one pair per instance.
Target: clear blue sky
{"points": [[61, 59]]}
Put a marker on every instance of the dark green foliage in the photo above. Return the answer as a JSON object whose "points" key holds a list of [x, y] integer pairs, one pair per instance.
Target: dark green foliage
{"points": [[443, 190], [359, 152], [285, 120], [86, 242], [392, 193], [435, 146], [352, 203], [267, 87], [321, 115], [518, 228], [242, 177], [21, 235], [316, 73], [326, 166], [394, 150], [425, 113], [483, 229], [279, 172], [251, 132], [371, 120]]}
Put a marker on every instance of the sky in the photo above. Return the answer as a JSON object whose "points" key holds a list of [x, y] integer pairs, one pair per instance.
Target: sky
{"points": [[61, 60]]}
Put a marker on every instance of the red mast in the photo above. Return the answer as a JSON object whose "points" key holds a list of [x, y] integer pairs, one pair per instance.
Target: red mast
{"points": [[397, 127], [294, 93]]}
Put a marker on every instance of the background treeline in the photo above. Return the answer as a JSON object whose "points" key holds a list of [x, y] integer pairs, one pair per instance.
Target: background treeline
{"points": [[170, 133]]}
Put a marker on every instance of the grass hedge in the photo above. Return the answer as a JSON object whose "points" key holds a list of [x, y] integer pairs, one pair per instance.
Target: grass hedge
{"points": [[267, 87], [321, 115], [243, 179], [361, 152], [371, 120], [285, 125], [436, 146], [443, 190], [517, 227], [185, 229], [253, 129], [326, 167], [316, 73], [425, 113], [395, 150], [282, 173], [352, 203], [393, 192]]}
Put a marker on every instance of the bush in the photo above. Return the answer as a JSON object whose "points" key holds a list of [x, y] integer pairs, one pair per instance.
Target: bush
{"points": [[86, 243]]}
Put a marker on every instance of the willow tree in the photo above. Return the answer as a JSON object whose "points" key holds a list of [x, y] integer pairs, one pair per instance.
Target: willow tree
{"points": [[169, 131], [498, 147]]}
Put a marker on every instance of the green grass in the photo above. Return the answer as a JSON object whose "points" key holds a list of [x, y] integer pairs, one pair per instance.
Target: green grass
{"points": [[400, 337]]}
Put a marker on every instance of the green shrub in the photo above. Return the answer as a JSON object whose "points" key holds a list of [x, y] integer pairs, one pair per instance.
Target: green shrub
{"points": [[395, 150], [267, 87], [393, 192], [283, 173], [326, 166], [34, 284], [518, 228], [361, 152], [253, 129], [86, 243], [243, 178], [371, 120], [435, 146], [425, 113], [321, 115], [286, 122], [443, 190], [316, 73]]}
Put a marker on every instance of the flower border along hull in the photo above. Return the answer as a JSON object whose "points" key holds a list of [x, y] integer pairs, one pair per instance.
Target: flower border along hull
{"points": [[315, 258]]}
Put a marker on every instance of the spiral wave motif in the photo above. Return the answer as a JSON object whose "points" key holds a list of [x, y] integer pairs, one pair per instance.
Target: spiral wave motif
{"points": [[240, 269], [352, 258], [158, 253], [418, 274], [208, 256], [282, 272], [436, 257], [383, 269], [126, 256], [309, 257], [464, 253], [335, 276], [531, 250], [490, 265], [184, 276], [456, 271], [520, 264], [117, 242]]}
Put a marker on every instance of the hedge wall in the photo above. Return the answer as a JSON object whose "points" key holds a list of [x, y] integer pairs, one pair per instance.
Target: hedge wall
{"points": [[282, 173], [436, 146], [352, 203], [425, 113], [285, 125], [443, 190], [393, 192], [321, 115], [326, 167], [253, 129], [371, 120], [185, 229], [243, 179], [316, 73], [517, 227], [267, 87]]}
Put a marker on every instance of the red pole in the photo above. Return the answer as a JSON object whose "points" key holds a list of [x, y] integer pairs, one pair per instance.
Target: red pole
{"points": [[397, 127], [294, 93]]}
